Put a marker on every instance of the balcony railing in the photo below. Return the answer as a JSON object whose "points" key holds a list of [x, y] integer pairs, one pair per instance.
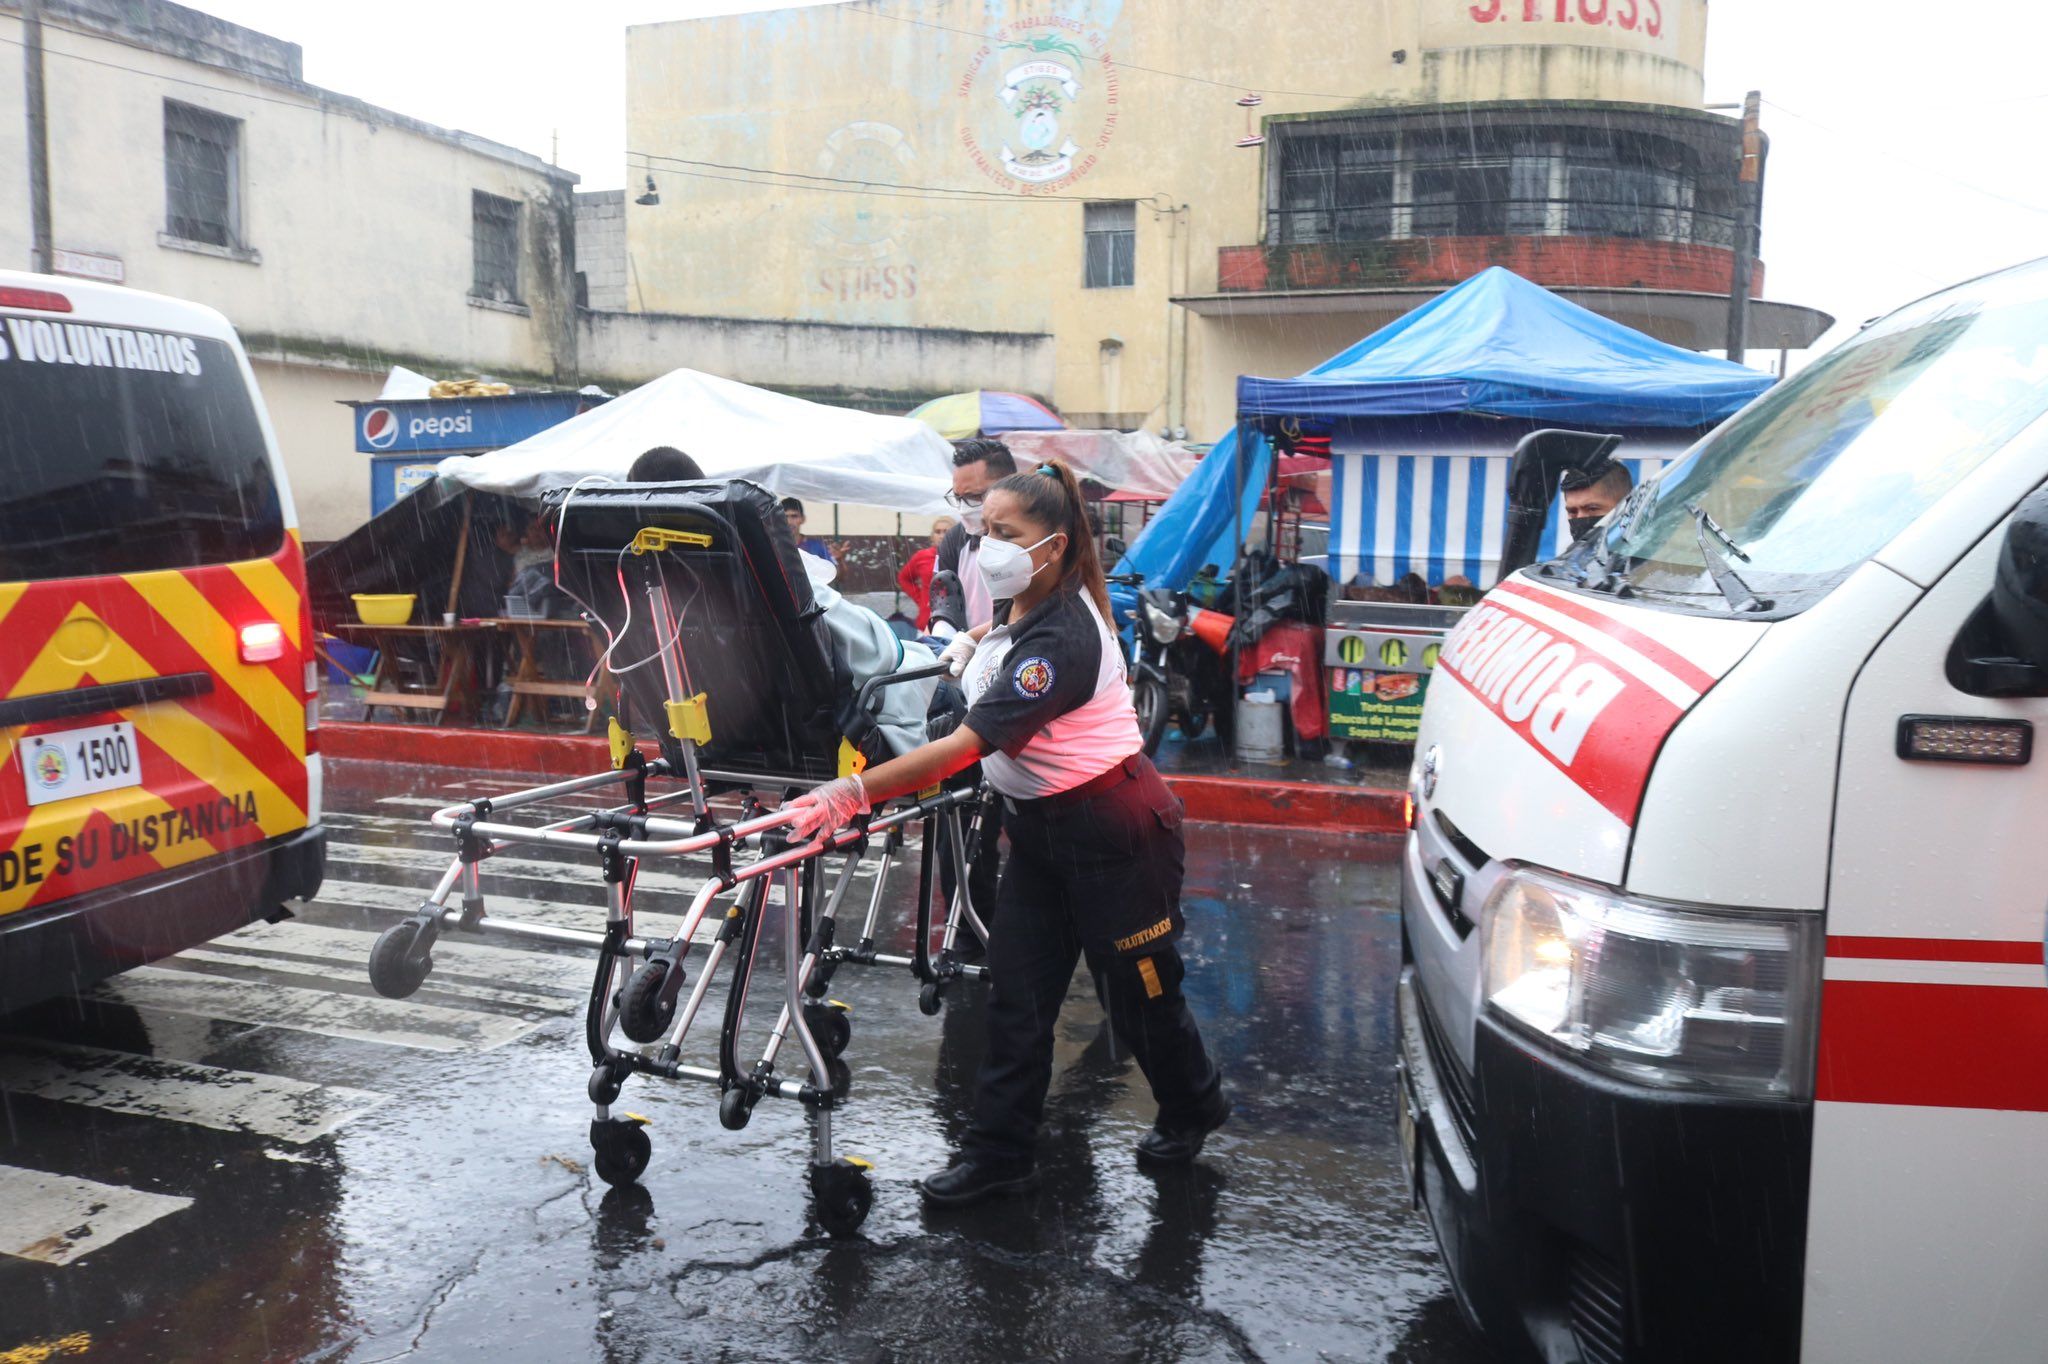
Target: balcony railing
{"points": [[1396, 221]]}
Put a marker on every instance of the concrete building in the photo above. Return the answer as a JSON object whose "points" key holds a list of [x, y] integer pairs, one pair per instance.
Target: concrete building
{"points": [[190, 157], [1180, 191]]}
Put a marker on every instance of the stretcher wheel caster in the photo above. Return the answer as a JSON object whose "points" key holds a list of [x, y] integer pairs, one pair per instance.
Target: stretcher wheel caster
{"points": [[645, 1009], [830, 1026], [821, 979], [735, 1109], [842, 1078], [621, 1149], [395, 971], [842, 1194], [928, 1001]]}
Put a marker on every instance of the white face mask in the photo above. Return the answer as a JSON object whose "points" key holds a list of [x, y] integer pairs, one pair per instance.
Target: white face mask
{"points": [[970, 517], [1006, 568]]}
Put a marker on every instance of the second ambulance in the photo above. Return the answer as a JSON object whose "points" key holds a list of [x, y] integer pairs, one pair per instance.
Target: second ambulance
{"points": [[1724, 1026]]}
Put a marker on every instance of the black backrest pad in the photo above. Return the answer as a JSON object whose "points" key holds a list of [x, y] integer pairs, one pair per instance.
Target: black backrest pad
{"points": [[751, 637]]}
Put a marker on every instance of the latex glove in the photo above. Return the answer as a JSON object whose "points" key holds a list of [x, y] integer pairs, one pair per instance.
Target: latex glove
{"points": [[825, 808], [956, 653]]}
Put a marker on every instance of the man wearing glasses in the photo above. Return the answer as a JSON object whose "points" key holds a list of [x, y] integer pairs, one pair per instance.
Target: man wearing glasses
{"points": [[978, 464]]}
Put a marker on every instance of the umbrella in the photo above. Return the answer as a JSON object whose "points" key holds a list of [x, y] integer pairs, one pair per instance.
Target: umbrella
{"points": [[986, 412]]}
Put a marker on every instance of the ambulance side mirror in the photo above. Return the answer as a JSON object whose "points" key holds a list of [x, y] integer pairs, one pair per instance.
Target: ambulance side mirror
{"points": [[2003, 648]]}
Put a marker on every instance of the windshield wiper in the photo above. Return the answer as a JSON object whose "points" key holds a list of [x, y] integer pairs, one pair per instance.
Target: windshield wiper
{"points": [[1600, 576], [1726, 580]]}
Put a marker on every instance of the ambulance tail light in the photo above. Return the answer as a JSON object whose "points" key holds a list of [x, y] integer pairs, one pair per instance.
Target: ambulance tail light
{"points": [[262, 642], [35, 300], [1682, 997]]}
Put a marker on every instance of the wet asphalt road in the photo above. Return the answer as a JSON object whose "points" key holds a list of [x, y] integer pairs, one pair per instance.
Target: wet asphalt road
{"points": [[244, 1154]]}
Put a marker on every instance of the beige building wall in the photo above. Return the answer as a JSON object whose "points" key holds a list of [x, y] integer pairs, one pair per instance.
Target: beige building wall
{"points": [[846, 163], [356, 224]]}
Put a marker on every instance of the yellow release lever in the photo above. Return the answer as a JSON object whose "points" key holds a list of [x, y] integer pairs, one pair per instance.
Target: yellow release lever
{"points": [[689, 719], [621, 741], [654, 539]]}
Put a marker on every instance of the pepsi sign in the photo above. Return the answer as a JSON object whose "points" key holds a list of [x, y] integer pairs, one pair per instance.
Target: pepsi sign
{"points": [[454, 425]]}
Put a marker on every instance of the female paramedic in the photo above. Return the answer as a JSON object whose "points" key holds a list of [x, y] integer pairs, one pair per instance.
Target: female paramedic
{"points": [[1095, 842]]}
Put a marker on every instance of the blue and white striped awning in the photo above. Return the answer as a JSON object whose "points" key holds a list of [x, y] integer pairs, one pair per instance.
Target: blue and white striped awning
{"points": [[1437, 515]]}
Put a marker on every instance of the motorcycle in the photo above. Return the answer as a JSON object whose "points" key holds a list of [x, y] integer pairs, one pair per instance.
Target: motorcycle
{"points": [[1180, 666]]}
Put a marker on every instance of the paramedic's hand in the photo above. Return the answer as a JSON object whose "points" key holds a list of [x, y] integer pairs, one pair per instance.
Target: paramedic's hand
{"points": [[956, 653], [823, 809]]}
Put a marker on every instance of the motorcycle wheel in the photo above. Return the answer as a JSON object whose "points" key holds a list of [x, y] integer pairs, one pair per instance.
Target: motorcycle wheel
{"points": [[1148, 698]]}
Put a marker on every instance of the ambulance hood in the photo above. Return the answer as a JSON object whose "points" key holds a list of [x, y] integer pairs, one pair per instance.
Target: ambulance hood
{"points": [[1546, 713]]}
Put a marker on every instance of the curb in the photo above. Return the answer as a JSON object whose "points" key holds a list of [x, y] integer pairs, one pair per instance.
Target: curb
{"points": [[1209, 800]]}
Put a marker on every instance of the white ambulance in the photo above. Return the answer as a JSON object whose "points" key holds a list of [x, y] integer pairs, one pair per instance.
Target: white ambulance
{"points": [[1723, 1019]]}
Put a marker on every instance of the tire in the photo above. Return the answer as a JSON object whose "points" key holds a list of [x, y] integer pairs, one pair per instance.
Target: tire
{"points": [[620, 1150], [394, 973], [1148, 698], [841, 1194], [643, 1015]]}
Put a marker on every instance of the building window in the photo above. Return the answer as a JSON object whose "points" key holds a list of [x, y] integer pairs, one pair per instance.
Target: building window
{"points": [[495, 224], [202, 176], [1356, 181], [1110, 232]]}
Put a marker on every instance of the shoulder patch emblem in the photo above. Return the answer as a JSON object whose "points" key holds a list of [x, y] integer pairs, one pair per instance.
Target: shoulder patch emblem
{"points": [[1033, 677]]}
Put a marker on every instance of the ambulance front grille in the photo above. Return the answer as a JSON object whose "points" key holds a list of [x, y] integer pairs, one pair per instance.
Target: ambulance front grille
{"points": [[1599, 1306]]}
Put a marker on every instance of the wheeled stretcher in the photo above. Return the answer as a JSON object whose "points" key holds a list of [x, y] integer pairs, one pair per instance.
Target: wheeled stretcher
{"points": [[715, 631]]}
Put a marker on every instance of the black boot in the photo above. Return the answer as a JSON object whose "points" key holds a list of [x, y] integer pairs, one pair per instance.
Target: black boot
{"points": [[1179, 1143], [974, 1178]]}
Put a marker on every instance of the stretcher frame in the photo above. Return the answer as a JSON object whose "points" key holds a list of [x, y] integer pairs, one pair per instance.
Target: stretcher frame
{"points": [[622, 835]]}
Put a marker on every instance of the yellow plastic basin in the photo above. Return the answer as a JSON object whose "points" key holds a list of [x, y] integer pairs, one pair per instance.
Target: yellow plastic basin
{"points": [[384, 608]]}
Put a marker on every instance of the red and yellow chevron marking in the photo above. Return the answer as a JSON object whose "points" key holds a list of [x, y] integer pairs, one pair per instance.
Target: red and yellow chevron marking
{"points": [[219, 770]]}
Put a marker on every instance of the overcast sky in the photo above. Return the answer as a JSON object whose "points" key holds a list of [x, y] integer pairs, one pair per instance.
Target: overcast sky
{"points": [[1907, 146]]}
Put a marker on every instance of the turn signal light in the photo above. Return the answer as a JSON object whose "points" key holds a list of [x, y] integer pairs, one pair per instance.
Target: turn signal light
{"points": [[262, 642], [1965, 739], [42, 300], [1408, 809]]}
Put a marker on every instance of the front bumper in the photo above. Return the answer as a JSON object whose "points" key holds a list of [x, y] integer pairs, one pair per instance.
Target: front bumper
{"points": [[1584, 1219], [64, 947]]}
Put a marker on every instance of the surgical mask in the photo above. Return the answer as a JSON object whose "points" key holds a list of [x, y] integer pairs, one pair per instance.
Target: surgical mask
{"points": [[1006, 568], [1581, 526], [970, 517]]}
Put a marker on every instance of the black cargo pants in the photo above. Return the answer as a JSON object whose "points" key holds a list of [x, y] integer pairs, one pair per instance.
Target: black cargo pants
{"points": [[1100, 878]]}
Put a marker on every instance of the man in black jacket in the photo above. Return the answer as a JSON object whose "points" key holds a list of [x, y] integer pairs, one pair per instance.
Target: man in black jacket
{"points": [[978, 464]]}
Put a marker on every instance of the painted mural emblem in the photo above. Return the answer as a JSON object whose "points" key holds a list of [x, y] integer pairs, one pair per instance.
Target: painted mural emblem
{"points": [[1027, 97]]}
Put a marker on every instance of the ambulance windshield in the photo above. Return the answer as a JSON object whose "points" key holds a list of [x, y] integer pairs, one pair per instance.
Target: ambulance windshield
{"points": [[123, 451], [1818, 475]]}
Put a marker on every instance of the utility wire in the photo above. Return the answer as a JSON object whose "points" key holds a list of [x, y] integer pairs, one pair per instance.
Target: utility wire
{"points": [[872, 193], [877, 186]]}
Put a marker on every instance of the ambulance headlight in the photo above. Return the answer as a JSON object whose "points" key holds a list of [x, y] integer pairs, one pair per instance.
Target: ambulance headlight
{"points": [[1675, 996], [1163, 625]]}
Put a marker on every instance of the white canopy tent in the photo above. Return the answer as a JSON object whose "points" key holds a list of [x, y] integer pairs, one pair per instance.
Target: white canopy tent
{"points": [[1135, 463], [789, 446]]}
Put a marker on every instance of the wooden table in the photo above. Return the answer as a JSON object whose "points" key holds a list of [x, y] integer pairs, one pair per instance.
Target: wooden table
{"points": [[529, 679], [451, 657]]}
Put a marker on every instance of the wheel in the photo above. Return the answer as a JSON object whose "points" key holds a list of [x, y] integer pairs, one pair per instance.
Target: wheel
{"points": [[734, 1110], [1193, 723], [830, 1025], [644, 1012], [1148, 698], [928, 1002], [620, 1148], [842, 1078], [395, 972], [842, 1194]]}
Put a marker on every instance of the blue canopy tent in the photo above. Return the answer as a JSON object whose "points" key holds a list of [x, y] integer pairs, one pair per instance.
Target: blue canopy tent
{"points": [[1423, 415]]}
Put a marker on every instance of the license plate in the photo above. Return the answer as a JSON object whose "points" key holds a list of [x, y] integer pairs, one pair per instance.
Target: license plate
{"points": [[79, 762]]}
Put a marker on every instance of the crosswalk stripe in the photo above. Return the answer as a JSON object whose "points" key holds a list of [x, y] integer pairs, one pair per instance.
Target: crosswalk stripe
{"points": [[314, 972], [406, 899], [58, 1218], [205, 1096], [284, 945], [364, 1018]]}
